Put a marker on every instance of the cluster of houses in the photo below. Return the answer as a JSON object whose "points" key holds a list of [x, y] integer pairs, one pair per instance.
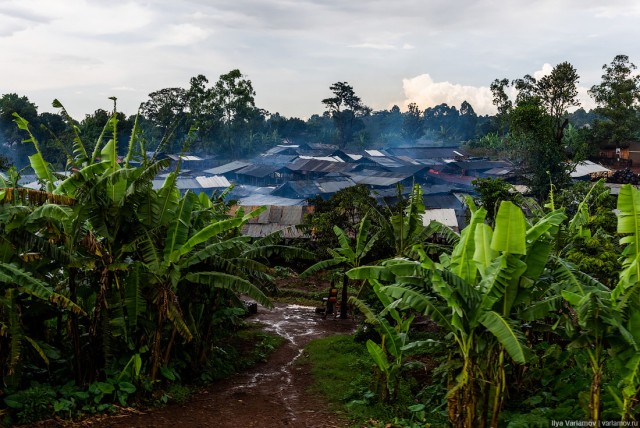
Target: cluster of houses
{"points": [[286, 176]]}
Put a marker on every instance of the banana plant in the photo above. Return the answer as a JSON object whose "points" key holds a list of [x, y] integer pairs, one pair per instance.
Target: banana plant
{"points": [[182, 253], [626, 301], [346, 257], [475, 294], [607, 319], [389, 354]]}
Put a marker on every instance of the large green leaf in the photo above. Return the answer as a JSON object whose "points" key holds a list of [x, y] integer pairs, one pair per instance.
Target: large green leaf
{"points": [[134, 300], [378, 355], [178, 233], [510, 232], [380, 273], [232, 283], [285, 251], [323, 265], [629, 225], [205, 234], [507, 334], [462, 263], [42, 170], [540, 309], [369, 316], [548, 224], [175, 316], [235, 245], [345, 245], [483, 254], [26, 283], [421, 302]]}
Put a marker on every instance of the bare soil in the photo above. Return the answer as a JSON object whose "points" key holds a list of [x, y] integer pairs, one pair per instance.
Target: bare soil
{"points": [[273, 394]]}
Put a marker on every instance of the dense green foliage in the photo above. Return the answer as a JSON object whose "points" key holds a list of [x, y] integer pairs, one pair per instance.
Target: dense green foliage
{"points": [[516, 316], [116, 285]]}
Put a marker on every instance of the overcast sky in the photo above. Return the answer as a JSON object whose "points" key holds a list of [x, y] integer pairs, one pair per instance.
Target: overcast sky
{"points": [[391, 52]]}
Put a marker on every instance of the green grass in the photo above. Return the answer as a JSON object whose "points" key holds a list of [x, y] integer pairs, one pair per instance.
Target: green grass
{"points": [[342, 372]]}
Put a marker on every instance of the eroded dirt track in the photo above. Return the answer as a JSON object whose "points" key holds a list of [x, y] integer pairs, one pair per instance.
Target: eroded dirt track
{"points": [[273, 394]]}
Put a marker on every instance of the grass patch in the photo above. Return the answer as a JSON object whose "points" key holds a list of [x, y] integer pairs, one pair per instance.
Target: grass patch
{"points": [[342, 372], [296, 296]]}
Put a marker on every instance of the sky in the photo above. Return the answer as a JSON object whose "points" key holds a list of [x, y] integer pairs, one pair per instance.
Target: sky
{"points": [[392, 52]]}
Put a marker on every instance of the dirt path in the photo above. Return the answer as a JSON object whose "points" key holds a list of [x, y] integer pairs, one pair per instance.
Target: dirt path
{"points": [[273, 394]]}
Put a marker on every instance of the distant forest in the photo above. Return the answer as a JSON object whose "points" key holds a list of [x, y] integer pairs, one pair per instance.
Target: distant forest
{"points": [[222, 119]]}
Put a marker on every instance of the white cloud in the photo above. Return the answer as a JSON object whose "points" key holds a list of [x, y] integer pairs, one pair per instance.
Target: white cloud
{"points": [[123, 88], [544, 71], [182, 35], [423, 91], [381, 46]]}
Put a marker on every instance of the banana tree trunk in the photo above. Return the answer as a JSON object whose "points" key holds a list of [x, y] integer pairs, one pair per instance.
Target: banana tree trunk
{"points": [[345, 298], [462, 400], [75, 332], [594, 398], [498, 397]]}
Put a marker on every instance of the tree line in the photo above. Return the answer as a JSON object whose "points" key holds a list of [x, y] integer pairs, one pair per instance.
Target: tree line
{"points": [[534, 129]]}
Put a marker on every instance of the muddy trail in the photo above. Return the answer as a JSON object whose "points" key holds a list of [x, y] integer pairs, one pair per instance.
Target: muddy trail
{"points": [[273, 394]]}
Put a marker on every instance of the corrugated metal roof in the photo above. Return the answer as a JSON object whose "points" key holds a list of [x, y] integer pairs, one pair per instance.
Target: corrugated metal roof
{"points": [[298, 189], [270, 200], [463, 180], [323, 158], [426, 152], [228, 167], [216, 181], [442, 200], [314, 165], [258, 170], [378, 173], [184, 157], [446, 216], [588, 168], [498, 171], [376, 181], [262, 230], [476, 165], [275, 159], [387, 162], [310, 188], [282, 150], [321, 146], [187, 183], [374, 153], [334, 184]]}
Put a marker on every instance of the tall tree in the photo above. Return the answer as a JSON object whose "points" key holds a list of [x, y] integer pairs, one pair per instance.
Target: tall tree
{"points": [[205, 114], [234, 96], [618, 97], [346, 109], [467, 121], [502, 102], [539, 120], [166, 110], [412, 123], [442, 121]]}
